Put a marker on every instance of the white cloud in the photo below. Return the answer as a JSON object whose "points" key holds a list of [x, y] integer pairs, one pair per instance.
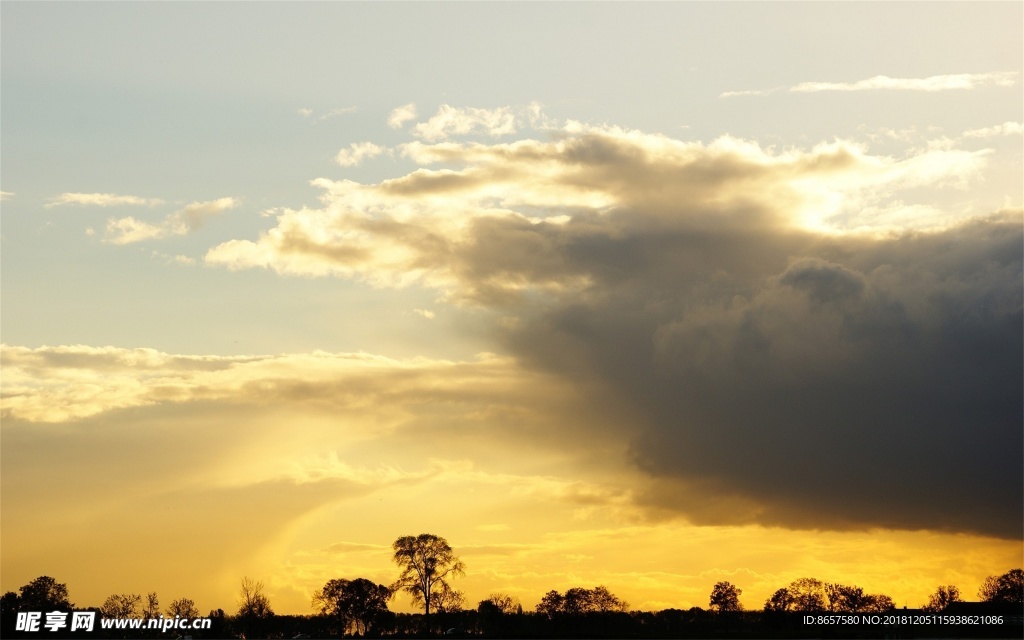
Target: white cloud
{"points": [[449, 121], [400, 115], [101, 200], [1005, 129], [931, 83], [6, 195], [357, 152], [306, 112], [129, 230], [493, 225], [749, 92], [426, 313]]}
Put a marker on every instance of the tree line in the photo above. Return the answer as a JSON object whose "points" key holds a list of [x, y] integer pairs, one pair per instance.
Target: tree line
{"points": [[428, 566]]}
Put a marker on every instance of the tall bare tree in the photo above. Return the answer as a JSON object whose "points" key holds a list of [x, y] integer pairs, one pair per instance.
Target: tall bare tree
{"points": [[151, 609]]}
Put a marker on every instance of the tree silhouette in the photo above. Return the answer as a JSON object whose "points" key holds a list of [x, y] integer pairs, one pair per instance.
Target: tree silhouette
{"points": [[1005, 589], [808, 594], [504, 603], [942, 598], [781, 600], [725, 596], [840, 597], [449, 600], [151, 608], [253, 603], [9, 605], [357, 603], [551, 604], [253, 607], [492, 614], [122, 605], [603, 600], [878, 604], [427, 563], [183, 607], [44, 594], [578, 600]]}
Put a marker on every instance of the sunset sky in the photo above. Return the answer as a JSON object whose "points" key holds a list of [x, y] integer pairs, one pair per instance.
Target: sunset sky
{"points": [[643, 295]]}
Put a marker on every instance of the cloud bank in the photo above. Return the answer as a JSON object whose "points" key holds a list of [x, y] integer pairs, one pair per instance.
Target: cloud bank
{"points": [[501, 223], [786, 340]]}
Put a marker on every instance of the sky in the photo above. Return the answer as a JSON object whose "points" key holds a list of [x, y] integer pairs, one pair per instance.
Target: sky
{"points": [[643, 295]]}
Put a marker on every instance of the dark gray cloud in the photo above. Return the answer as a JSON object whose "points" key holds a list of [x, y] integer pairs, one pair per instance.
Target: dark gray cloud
{"points": [[798, 381]]}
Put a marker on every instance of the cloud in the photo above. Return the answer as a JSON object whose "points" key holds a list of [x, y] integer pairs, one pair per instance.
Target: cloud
{"points": [[426, 313], [400, 115], [449, 121], [748, 92], [101, 200], [130, 230], [357, 152], [452, 121], [772, 336], [931, 83], [6, 195], [949, 82], [72, 382], [788, 381], [1005, 129], [306, 112], [497, 225]]}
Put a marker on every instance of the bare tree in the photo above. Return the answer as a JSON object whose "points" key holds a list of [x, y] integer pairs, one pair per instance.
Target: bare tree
{"points": [[449, 600], [122, 605], [504, 603], [427, 563], [253, 603], [184, 608], [151, 609]]}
